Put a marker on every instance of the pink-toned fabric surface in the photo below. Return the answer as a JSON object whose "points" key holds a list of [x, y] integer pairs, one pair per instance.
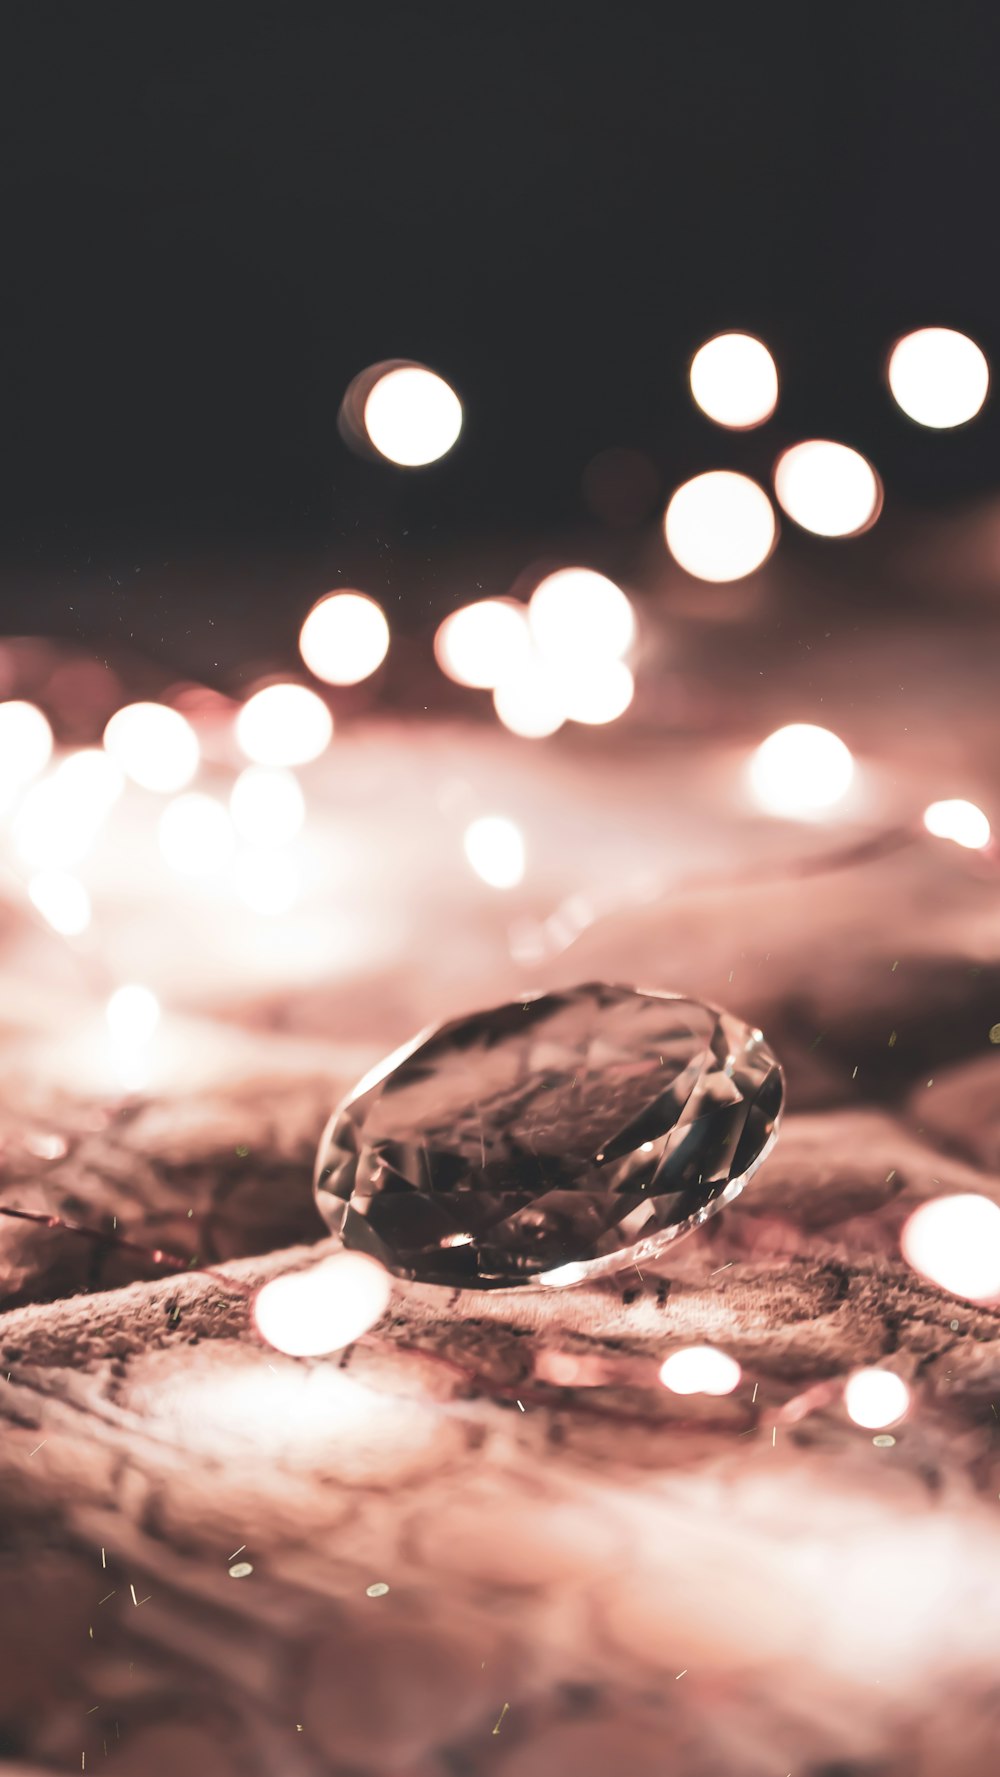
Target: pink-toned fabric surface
{"points": [[594, 1577]]}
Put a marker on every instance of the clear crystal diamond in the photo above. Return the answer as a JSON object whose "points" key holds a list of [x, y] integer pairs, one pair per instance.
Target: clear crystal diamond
{"points": [[583, 1129]]}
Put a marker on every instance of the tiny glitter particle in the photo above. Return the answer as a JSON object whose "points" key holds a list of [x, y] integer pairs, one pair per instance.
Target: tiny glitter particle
{"points": [[884, 1440], [995, 1033], [520, 1404], [678, 1675], [378, 1590], [753, 1397], [240, 1570], [104, 1600], [35, 1451], [953, 1325], [242, 1151], [135, 1600], [503, 1712], [238, 1551], [892, 1040], [774, 1436], [104, 1562]]}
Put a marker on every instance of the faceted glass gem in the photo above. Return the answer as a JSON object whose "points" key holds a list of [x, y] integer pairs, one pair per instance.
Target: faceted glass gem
{"points": [[556, 1138]]}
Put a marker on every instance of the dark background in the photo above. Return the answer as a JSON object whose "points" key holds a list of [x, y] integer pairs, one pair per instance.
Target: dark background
{"points": [[213, 218]]}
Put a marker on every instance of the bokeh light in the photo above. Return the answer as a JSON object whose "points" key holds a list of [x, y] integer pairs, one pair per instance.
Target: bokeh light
{"points": [[344, 638], [938, 377], [59, 818], [412, 416], [828, 488], [700, 1369], [578, 616], [800, 770], [481, 644], [133, 1013], [92, 778], [875, 1398], [955, 1243], [154, 746], [268, 882], [284, 725], [196, 835], [309, 1313], [595, 694], [734, 381], [495, 849], [267, 805], [528, 700], [720, 526], [62, 900], [958, 820], [25, 746]]}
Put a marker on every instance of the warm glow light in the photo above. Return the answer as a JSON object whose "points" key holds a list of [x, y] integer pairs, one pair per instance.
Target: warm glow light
{"points": [[482, 644], [153, 745], [939, 377], [25, 746], [59, 818], [284, 725], [955, 1242], [720, 526], [344, 638], [196, 835], [267, 806], [92, 778], [308, 1313], [800, 770], [412, 416], [528, 702], [268, 882], [876, 1398], [734, 380], [700, 1369], [133, 1013], [827, 488], [495, 849], [563, 1275], [597, 694], [579, 617], [961, 821], [62, 900]]}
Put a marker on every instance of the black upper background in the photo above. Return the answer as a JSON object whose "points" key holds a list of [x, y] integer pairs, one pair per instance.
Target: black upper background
{"points": [[213, 218]]}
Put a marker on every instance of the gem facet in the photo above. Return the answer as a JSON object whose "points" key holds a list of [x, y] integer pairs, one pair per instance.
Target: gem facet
{"points": [[582, 1129]]}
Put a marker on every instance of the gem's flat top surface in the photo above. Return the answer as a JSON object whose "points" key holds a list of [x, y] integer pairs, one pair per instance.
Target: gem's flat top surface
{"points": [[582, 1128]]}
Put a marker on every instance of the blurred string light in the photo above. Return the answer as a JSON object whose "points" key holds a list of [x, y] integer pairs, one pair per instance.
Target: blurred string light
{"points": [[310, 1313], [720, 526], [700, 1369], [577, 616], [734, 380], [284, 725], [958, 820], [495, 849], [62, 900], [25, 747], [800, 770], [345, 638], [196, 835], [876, 1398], [154, 746], [267, 805], [938, 377], [955, 1243], [411, 415], [828, 488], [483, 643]]}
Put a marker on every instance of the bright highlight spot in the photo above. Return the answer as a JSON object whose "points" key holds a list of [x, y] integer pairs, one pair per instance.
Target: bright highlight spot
{"points": [[196, 835], [828, 488], [876, 1398], [25, 746], [59, 818], [734, 380], [62, 900], [596, 694], [720, 526], [482, 644], [92, 779], [267, 806], [308, 1313], [284, 725], [412, 416], [344, 638], [961, 821], [563, 1275], [576, 617], [700, 1369], [528, 702], [800, 770], [955, 1242], [153, 745], [268, 882], [495, 849], [133, 1013], [939, 377]]}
